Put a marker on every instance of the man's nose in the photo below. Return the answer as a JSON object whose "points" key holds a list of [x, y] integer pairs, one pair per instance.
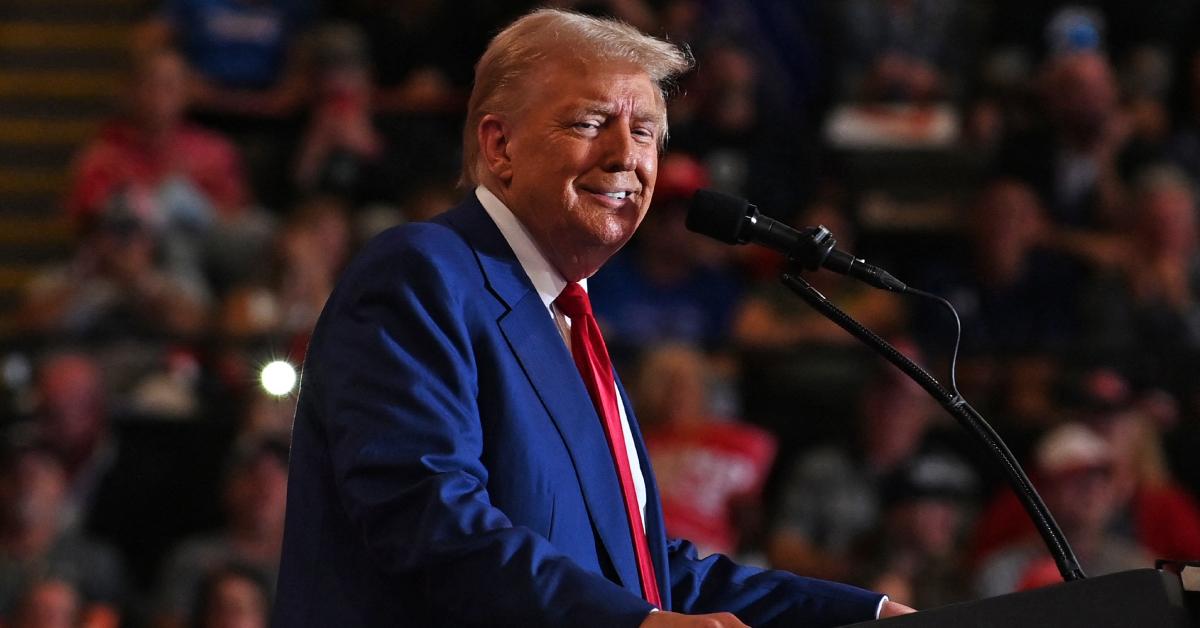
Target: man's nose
{"points": [[621, 151]]}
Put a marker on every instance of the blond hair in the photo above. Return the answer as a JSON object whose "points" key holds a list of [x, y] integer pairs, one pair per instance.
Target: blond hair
{"points": [[516, 53]]}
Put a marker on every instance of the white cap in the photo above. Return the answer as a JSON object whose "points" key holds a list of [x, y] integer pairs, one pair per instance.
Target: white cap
{"points": [[1071, 447]]}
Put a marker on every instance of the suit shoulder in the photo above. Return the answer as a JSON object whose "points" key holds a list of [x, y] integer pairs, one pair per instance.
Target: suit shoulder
{"points": [[413, 242], [413, 254]]}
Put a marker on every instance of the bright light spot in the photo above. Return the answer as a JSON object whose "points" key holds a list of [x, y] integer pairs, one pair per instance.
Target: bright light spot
{"points": [[278, 378]]}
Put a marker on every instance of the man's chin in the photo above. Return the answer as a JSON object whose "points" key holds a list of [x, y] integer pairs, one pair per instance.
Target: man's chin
{"points": [[599, 249], [615, 235]]}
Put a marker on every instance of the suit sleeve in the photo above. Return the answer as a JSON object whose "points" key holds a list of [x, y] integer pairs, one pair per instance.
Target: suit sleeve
{"points": [[762, 598], [396, 385]]}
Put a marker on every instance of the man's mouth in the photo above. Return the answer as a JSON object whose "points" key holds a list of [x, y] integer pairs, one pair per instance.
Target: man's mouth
{"points": [[611, 196]]}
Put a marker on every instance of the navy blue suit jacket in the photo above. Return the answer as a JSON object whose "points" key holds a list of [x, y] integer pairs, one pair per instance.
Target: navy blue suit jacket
{"points": [[448, 467]]}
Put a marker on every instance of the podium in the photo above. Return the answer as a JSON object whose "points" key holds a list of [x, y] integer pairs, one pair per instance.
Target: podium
{"points": [[1142, 598]]}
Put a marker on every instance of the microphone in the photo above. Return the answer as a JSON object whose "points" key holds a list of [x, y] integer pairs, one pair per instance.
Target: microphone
{"points": [[734, 220]]}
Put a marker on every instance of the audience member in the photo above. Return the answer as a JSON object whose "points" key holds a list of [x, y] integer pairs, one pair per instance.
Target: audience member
{"points": [[915, 50], [832, 495], [310, 249], [54, 603], [342, 152], [232, 596], [1148, 507], [1165, 519], [710, 470], [1004, 95], [916, 548], [115, 287], [36, 544], [784, 38], [1074, 467], [249, 76], [71, 418], [247, 55], [115, 486], [255, 492], [180, 179], [1144, 309], [152, 142], [423, 56], [750, 148], [422, 51], [1072, 158], [1007, 286]]}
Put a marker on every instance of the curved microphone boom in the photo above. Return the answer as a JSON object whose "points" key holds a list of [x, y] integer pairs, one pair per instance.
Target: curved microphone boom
{"points": [[734, 220]]}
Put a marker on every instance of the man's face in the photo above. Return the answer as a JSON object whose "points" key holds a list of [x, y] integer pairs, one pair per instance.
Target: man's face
{"points": [[582, 159], [257, 494], [160, 96], [72, 404], [1084, 93]]}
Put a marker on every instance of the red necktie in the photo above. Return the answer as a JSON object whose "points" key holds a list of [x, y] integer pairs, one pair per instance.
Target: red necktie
{"points": [[591, 358]]}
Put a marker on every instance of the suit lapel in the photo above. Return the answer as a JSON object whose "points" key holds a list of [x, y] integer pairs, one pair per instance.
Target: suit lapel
{"points": [[537, 346]]}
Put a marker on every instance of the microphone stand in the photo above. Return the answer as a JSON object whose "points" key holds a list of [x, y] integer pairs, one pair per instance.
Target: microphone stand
{"points": [[1052, 535]]}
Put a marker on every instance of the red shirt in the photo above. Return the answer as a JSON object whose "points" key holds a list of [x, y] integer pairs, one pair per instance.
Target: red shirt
{"points": [[703, 473], [1166, 520], [122, 157]]}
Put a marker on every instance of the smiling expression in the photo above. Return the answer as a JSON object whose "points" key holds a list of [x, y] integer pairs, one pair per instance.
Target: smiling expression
{"points": [[577, 164]]}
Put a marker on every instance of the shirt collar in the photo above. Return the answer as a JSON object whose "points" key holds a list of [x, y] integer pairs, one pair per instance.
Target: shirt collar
{"points": [[548, 282]]}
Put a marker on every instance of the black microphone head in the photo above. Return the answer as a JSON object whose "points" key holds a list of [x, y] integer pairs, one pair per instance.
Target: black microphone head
{"points": [[718, 215]]}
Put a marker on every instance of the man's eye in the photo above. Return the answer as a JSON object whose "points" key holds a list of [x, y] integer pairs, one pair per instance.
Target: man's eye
{"points": [[587, 126]]}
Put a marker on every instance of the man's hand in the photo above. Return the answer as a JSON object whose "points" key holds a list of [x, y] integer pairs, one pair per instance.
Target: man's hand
{"points": [[892, 609], [665, 619]]}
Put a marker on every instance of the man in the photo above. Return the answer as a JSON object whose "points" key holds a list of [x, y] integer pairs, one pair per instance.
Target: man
{"points": [[254, 493], [153, 147], [36, 546], [451, 465]]}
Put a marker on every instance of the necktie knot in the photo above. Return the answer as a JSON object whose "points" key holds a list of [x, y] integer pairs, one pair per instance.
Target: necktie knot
{"points": [[574, 302]]}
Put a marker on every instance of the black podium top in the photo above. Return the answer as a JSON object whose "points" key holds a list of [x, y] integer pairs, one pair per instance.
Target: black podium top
{"points": [[1142, 598]]}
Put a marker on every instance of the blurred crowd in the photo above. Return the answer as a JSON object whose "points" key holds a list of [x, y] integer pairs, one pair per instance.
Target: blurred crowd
{"points": [[1036, 163]]}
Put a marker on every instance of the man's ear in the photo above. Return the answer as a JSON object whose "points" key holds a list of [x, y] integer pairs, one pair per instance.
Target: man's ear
{"points": [[493, 146]]}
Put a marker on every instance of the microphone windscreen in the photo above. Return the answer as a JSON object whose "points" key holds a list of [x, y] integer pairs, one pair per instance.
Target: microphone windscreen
{"points": [[718, 215]]}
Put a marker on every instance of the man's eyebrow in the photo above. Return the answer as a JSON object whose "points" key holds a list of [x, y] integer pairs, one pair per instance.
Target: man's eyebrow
{"points": [[608, 109], [652, 116], [594, 107]]}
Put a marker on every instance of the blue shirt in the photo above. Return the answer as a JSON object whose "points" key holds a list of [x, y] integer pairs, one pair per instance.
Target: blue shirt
{"points": [[239, 43], [636, 311]]}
